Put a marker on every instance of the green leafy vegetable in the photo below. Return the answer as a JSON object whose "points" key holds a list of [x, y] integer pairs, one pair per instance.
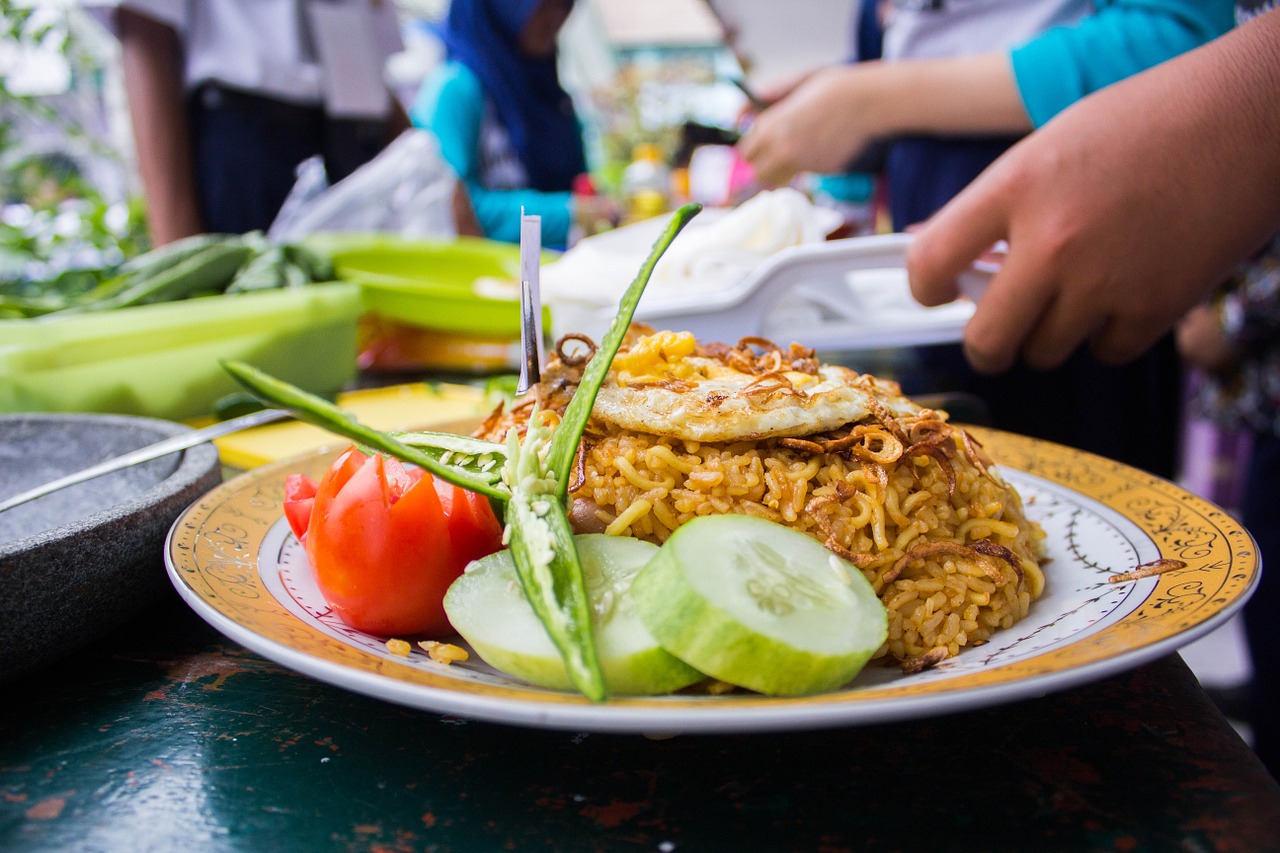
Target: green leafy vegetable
{"points": [[202, 265]]}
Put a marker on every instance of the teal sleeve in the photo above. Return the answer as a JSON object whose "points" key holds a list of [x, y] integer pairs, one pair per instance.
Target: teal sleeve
{"points": [[498, 212], [450, 104], [1123, 37]]}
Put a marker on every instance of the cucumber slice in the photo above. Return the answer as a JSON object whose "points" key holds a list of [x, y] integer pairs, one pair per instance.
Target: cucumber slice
{"points": [[760, 605], [488, 608]]}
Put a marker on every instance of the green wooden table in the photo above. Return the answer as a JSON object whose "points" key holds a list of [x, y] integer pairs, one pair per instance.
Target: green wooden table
{"points": [[166, 736]]}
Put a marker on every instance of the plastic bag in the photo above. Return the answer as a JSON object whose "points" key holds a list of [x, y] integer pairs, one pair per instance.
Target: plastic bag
{"points": [[408, 189]]}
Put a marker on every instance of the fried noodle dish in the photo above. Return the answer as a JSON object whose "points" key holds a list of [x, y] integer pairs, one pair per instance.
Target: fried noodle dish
{"points": [[682, 429]]}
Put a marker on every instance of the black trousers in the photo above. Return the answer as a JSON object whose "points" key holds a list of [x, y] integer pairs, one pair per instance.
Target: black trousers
{"points": [[248, 148]]}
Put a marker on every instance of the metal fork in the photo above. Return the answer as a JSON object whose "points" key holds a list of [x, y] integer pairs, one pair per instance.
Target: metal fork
{"points": [[530, 303]]}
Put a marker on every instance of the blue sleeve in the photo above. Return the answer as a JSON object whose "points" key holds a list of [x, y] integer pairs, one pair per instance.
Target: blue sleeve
{"points": [[498, 212], [450, 104], [1123, 37]]}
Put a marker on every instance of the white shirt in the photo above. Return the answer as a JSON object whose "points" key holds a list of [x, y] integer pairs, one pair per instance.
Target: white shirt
{"points": [[928, 29], [303, 51]]}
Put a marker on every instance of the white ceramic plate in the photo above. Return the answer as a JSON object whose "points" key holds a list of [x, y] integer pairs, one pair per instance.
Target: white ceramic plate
{"points": [[233, 559]]}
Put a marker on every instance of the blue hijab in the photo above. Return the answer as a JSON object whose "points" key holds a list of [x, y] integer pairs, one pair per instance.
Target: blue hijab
{"points": [[526, 93]]}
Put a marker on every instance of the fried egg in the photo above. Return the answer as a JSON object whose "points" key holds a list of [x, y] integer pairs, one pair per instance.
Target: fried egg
{"points": [[664, 384]]}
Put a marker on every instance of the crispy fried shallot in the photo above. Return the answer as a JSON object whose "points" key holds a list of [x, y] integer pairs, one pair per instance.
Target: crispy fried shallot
{"points": [[770, 386], [995, 549], [891, 423], [928, 660], [578, 357], [939, 454], [758, 356], [876, 445], [867, 442], [976, 456], [1146, 570], [928, 428], [579, 467], [804, 445], [950, 549], [491, 421]]}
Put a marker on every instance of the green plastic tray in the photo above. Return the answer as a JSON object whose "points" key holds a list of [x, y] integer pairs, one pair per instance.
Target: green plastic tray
{"points": [[162, 360], [431, 284]]}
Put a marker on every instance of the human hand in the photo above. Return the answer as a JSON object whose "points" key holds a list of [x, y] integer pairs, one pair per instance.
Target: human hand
{"points": [[1121, 213], [1201, 342], [775, 90], [817, 127]]}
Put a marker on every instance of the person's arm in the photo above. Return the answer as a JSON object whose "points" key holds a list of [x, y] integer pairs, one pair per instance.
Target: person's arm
{"points": [[837, 112], [1122, 212], [1059, 67], [451, 106], [499, 213], [821, 125], [151, 60]]}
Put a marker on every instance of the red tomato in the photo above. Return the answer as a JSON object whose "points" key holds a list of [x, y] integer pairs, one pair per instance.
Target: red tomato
{"points": [[299, 497], [384, 548], [474, 528]]}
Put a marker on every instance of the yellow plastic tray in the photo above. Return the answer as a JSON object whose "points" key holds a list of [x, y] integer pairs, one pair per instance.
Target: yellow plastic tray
{"points": [[394, 408]]}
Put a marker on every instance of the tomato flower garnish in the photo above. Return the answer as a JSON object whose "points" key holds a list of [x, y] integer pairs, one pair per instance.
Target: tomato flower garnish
{"points": [[385, 542]]}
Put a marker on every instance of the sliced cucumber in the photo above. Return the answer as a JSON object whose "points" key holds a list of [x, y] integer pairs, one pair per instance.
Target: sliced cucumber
{"points": [[759, 605], [488, 608]]}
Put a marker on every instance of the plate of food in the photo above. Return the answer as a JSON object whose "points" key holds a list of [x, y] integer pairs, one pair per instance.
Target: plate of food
{"points": [[703, 537]]}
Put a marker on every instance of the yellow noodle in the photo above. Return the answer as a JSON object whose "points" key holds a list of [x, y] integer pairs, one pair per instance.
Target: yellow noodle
{"points": [[629, 516], [636, 479], [1007, 529]]}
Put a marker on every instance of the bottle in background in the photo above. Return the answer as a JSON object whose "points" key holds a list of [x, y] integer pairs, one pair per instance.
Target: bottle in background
{"points": [[646, 183]]}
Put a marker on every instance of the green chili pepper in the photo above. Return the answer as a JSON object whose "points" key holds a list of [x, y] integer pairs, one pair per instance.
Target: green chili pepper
{"points": [[320, 412], [564, 444]]}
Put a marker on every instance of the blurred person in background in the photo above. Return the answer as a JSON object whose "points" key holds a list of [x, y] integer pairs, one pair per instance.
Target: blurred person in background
{"points": [[504, 122], [961, 81], [228, 97], [1120, 216]]}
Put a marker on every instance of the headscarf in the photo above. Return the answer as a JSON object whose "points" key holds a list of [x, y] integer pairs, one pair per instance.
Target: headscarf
{"points": [[535, 110]]}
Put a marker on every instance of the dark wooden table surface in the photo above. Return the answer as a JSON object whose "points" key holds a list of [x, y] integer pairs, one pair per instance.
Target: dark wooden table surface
{"points": [[166, 736]]}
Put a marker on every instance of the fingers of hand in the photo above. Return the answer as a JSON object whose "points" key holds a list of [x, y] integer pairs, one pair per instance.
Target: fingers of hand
{"points": [[1008, 314], [951, 241], [765, 150], [1122, 339], [1063, 326]]}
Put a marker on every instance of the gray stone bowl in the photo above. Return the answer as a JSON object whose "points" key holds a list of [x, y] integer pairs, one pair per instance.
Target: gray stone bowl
{"points": [[79, 562]]}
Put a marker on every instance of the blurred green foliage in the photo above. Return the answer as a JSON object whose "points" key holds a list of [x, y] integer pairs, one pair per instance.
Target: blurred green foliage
{"points": [[54, 218]]}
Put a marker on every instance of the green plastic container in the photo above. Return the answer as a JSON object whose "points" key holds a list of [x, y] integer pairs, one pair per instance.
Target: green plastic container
{"points": [[162, 360], [431, 284]]}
